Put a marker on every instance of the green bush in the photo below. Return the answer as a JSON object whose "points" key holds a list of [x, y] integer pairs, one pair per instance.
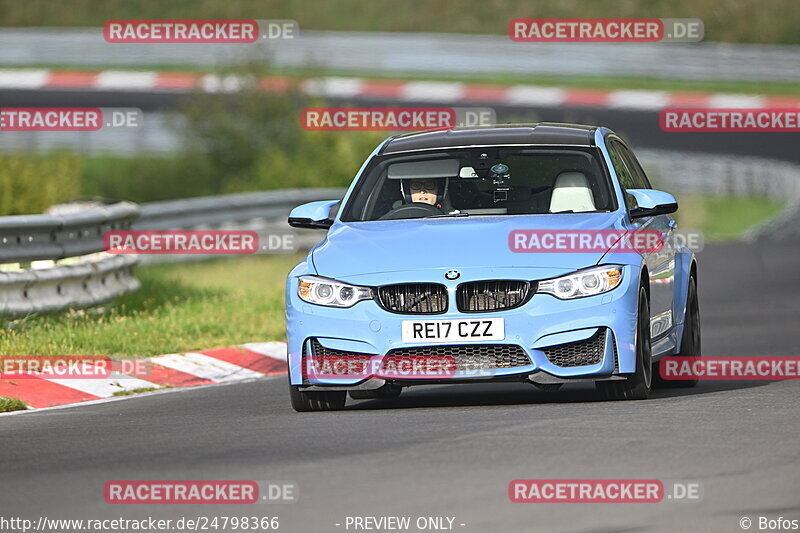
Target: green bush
{"points": [[257, 142], [147, 178], [11, 404], [236, 143], [30, 183]]}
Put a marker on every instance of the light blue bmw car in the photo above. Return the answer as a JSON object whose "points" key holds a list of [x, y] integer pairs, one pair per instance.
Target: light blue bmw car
{"points": [[453, 258]]}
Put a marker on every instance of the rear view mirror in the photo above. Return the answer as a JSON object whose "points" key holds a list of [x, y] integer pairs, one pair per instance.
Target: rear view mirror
{"points": [[650, 203], [313, 215]]}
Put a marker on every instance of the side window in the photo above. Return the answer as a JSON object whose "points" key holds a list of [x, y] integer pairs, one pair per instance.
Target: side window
{"points": [[639, 177], [625, 177]]}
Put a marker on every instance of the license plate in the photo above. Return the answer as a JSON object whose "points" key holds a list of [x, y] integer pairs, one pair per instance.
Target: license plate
{"points": [[478, 329]]}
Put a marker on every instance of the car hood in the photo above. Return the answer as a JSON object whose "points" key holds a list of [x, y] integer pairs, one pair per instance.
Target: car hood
{"points": [[464, 243]]}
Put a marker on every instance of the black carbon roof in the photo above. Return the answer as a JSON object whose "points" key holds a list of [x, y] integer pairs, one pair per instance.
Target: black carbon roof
{"points": [[534, 134]]}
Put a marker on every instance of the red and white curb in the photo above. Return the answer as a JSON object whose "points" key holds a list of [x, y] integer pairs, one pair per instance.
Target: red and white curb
{"points": [[393, 90], [207, 367]]}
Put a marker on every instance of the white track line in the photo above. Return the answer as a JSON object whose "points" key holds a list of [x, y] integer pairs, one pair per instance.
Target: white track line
{"points": [[276, 350], [101, 387], [23, 79], [334, 87], [529, 95], [638, 100], [722, 100], [432, 91], [122, 80], [205, 367]]}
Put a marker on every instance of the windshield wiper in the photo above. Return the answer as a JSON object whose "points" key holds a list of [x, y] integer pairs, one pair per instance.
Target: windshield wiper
{"points": [[449, 215]]}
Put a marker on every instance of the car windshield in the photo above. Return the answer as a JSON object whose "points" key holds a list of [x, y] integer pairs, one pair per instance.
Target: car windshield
{"points": [[481, 181]]}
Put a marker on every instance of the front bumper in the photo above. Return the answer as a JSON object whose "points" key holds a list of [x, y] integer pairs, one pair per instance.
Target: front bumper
{"points": [[542, 323]]}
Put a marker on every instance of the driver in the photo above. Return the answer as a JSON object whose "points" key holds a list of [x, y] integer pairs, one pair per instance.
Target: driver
{"points": [[425, 191], [431, 191]]}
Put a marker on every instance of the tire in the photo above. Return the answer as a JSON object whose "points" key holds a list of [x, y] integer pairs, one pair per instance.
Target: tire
{"points": [[316, 400], [386, 392], [638, 384], [690, 343]]}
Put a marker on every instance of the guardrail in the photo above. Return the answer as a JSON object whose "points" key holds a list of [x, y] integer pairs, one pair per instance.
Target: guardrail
{"points": [[719, 175], [219, 211], [85, 279], [722, 175], [28, 238], [68, 265], [437, 54], [262, 212]]}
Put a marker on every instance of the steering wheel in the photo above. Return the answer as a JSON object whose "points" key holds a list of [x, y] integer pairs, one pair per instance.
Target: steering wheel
{"points": [[412, 210]]}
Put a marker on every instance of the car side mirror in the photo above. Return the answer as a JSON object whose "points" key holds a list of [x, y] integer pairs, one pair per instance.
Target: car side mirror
{"points": [[314, 215], [650, 203]]}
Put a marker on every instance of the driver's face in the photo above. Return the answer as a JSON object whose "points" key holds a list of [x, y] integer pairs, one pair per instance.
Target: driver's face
{"points": [[424, 191]]}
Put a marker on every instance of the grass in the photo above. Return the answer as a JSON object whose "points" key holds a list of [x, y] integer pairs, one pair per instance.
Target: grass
{"points": [[11, 404], [180, 307], [741, 21], [724, 218], [140, 390]]}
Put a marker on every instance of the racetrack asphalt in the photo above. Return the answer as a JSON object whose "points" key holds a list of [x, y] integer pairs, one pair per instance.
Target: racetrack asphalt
{"points": [[452, 450]]}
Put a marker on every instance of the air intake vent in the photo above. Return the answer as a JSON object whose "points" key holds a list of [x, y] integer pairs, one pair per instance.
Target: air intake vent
{"points": [[581, 353], [492, 295], [414, 298], [467, 356]]}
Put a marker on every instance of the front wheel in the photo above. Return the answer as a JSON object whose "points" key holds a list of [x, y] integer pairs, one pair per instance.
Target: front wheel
{"points": [[637, 386], [303, 401]]}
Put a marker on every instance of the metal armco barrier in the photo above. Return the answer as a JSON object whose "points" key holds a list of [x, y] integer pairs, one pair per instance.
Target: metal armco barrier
{"points": [[89, 279], [90, 276], [718, 175], [38, 237], [263, 212], [219, 211], [79, 285]]}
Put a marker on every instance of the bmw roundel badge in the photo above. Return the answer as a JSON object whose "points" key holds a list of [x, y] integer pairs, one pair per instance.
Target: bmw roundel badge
{"points": [[452, 274]]}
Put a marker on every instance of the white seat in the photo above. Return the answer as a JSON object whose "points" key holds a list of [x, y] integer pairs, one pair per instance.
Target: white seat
{"points": [[571, 192]]}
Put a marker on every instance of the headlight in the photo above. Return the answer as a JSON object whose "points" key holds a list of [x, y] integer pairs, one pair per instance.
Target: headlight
{"points": [[322, 291], [595, 280]]}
